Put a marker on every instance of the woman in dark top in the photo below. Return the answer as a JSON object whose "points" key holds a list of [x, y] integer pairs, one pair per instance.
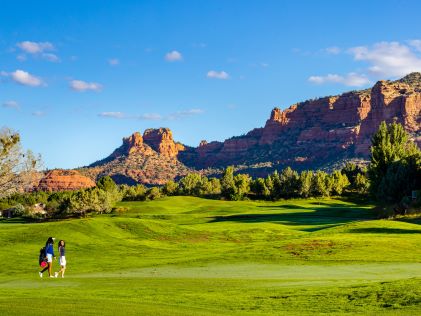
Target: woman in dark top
{"points": [[49, 254], [62, 253]]}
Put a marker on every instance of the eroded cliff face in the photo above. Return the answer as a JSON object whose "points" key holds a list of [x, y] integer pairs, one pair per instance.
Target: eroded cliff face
{"points": [[314, 132], [64, 180], [161, 141], [150, 159], [306, 135]]}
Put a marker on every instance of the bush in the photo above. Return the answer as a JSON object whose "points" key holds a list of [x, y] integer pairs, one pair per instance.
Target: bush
{"points": [[153, 193], [17, 210]]}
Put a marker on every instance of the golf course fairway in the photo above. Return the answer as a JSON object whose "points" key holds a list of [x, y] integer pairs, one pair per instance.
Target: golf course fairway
{"points": [[192, 256]]}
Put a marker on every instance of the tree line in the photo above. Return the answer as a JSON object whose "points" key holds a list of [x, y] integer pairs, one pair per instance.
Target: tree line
{"points": [[393, 173]]}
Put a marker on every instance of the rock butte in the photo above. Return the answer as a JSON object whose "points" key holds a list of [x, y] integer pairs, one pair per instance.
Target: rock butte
{"points": [[64, 180], [309, 134]]}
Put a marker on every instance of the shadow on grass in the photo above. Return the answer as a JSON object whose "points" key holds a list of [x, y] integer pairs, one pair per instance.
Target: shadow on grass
{"points": [[323, 217], [383, 230]]}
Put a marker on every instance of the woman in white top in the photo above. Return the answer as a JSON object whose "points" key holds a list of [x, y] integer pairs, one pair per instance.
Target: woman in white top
{"points": [[62, 253]]}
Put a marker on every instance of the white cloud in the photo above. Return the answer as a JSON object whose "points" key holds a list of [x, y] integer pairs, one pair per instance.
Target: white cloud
{"points": [[149, 117], [388, 59], [117, 115], [24, 78], [173, 56], [113, 62], [38, 113], [50, 57], [81, 86], [35, 47], [334, 50], [21, 57], [152, 116], [351, 79], [121, 115], [11, 104], [217, 75], [186, 113], [415, 44]]}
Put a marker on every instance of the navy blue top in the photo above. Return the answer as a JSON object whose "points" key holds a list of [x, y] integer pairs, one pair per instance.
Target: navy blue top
{"points": [[61, 250], [49, 249]]}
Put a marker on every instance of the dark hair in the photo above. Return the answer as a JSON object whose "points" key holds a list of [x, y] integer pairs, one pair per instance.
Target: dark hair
{"points": [[50, 240], [59, 243]]}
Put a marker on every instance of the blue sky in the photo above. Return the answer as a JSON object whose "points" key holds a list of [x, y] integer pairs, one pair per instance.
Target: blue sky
{"points": [[77, 77]]}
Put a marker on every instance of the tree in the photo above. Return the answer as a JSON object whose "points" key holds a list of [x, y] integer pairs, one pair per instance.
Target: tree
{"points": [[305, 183], [228, 188], [134, 193], [215, 186], [18, 169], [394, 159], [259, 188], [339, 182], [107, 184], [289, 183], [321, 184], [361, 184], [153, 193], [170, 188], [190, 184], [242, 185]]}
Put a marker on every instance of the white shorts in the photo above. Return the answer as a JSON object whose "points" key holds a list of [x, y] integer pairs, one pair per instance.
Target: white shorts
{"points": [[49, 257], [63, 261]]}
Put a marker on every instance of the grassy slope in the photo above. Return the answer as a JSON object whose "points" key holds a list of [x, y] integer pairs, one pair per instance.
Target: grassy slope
{"points": [[190, 256]]}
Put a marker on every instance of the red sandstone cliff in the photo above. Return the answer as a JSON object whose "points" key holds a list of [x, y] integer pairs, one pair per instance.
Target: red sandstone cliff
{"points": [[308, 134], [150, 159], [64, 180], [315, 132]]}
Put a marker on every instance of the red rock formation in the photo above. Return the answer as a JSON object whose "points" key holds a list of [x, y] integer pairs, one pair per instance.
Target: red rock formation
{"points": [[161, 141], [309, 134], [64, 180], [324, 129]]}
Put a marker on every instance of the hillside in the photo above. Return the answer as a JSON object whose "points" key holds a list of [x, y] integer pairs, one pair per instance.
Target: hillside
{"points": [[191, 256], [311, 134]]}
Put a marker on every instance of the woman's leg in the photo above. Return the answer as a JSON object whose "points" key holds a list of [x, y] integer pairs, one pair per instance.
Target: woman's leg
{"points": [[46, 268], [63, 268], [50, 267]]}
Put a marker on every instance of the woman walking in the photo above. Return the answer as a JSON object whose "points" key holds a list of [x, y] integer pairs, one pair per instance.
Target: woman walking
{"points": [[49, 253], [62, 253]]}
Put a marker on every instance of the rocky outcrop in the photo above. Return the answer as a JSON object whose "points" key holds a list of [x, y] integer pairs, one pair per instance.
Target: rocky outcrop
{"points": [[161, 141], [315, 132], [150, 159], [309, 134], [64, 180]]}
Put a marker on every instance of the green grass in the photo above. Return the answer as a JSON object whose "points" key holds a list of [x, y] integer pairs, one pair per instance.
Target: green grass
{"points": [[191, 256]]}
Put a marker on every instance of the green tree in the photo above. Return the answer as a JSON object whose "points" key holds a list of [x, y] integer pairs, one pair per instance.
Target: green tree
{"points": [[242, 185], [305, 183], [289, 183], [107, 184], [153, 193], [361, 183], [394, 159], [321, 184], [170, 188], [190, 184], [135, 193], [339, 182], [215, 186], [259, 188], [228, 189]]}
